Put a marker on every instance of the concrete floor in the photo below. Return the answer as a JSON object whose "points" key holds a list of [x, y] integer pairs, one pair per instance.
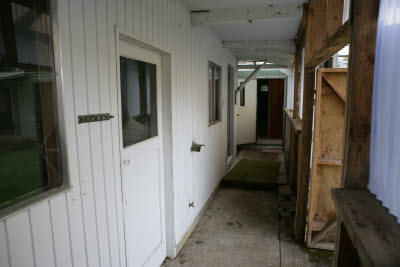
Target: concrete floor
{"points": [[242, 228]]}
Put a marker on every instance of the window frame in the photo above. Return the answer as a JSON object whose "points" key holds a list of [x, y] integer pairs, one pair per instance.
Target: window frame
{"points": [[65, 183], [212, 93]]}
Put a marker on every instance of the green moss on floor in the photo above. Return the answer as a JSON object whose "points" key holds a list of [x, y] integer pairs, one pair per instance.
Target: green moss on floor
{"points": [[320, 255], [252, 174]]}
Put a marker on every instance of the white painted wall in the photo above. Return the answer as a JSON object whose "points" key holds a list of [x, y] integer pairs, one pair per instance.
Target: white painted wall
{"points": [[84, 225]]}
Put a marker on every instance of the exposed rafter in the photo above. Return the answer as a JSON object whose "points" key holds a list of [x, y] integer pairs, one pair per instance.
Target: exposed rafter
{"points": [[287, 46], [259, 56], [268, 66], [228, 15], [243, 84]]}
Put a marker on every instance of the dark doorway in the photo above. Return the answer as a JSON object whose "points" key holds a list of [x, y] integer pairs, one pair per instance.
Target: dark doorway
{"points": [[270, 97]]}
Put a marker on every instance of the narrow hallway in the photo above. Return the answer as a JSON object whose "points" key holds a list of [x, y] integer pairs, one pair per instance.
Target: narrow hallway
{"points": [[243, 227]]}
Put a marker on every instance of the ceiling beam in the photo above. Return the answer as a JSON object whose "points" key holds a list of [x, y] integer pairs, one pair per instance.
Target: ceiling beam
{"points": [[253, 74], [288, 46], [267, 66], [244, 14], [261, 56]]}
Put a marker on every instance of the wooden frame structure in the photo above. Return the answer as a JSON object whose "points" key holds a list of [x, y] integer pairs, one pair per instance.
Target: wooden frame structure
{"points": [[370, 236], [327, 156], [324, 36]]}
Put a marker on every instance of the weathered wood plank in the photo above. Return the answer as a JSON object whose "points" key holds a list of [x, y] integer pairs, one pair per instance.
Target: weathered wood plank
{"points": [[329, 162], [340, 39], [297, 86], [293, 156], [373, 231], [323, 245], [359, 95], [301, 33], [334, 17], [321, 235], [340, 91], [304, 160], [296, 124], [327, 151], [348, 256]]}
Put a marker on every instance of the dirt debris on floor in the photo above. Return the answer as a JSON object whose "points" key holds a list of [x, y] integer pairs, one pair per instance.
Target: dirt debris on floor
{"points": [[249, 227]]}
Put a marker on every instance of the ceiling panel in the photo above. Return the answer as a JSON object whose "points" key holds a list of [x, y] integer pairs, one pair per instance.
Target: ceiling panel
{"points": [[207, 4], [272, 29]]}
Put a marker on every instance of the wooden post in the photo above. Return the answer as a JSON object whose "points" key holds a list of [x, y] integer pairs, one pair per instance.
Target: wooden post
{"points": [[304, 167], [364, 15], [293, 157], [359, 95], [297, 86], [300, 39]]}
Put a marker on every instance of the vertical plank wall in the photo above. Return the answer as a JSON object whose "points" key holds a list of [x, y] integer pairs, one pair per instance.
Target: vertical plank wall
{"points": [[84, 225]]}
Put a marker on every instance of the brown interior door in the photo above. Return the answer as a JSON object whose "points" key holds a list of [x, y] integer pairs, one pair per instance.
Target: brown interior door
{"points": [[275, 108]]}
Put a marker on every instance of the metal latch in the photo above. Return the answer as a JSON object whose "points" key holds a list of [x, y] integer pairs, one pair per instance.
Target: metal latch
{"points": [[94, 117]]}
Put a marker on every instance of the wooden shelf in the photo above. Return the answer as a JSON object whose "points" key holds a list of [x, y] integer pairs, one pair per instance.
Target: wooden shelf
{"points": [[373, 231], [329, 162], [296, 123]]}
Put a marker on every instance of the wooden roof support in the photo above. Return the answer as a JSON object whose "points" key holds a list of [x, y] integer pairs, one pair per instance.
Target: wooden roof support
{"points": [[301, 33], [339, 40], [364, 16], [251, 76], [304, 166], [287, 46], [268, 66]]}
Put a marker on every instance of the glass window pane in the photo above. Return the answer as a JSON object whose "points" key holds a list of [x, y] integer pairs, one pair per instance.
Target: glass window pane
{"points": [[29, 151], [242, 96], [139, 100], [210, 94], [217, 93]]}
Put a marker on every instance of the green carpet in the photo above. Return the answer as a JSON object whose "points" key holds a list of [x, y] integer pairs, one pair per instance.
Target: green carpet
{"points": [[252, 174]]}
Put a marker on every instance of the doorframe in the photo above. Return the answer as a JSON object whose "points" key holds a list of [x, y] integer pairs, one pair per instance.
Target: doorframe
{"points": [[285, 78], [231, 111], [166, 84]]}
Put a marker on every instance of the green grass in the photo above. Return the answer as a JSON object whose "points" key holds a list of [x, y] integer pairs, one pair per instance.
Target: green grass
{"points": [[19, 171], [252, 174]]}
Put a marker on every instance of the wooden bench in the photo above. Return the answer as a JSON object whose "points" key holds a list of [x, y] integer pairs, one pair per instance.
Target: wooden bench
{"points": [[375, 233]]}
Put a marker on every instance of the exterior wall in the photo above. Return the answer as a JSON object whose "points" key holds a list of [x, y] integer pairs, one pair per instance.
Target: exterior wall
{"points": [[84, 224]]}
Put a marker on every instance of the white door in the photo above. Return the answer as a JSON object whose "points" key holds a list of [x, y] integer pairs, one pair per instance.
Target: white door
{"points": [[142, 155], [247, 113]]}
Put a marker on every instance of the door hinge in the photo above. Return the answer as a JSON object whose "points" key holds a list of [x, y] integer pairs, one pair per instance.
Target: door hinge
{"points": [[191, 204], [126, 162]]}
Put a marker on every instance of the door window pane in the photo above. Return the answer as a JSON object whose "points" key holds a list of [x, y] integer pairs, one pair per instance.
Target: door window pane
{"points": [[139, 100], [29, 150], [210, 94], [214, 93]]}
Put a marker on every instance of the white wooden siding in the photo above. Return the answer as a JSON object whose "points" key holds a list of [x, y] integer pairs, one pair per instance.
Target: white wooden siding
{"points": [[83, 226]]}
